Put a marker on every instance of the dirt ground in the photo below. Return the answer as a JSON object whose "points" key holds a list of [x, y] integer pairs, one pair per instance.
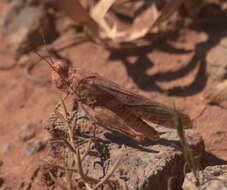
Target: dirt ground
{"points": [[172, 71]]}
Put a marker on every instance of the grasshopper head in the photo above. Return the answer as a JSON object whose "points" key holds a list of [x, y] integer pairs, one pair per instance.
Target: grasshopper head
{"points": [[60, 75]]}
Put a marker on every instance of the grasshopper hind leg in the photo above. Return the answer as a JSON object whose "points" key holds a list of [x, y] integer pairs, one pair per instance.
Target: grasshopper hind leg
{"points": [[118, 122]]}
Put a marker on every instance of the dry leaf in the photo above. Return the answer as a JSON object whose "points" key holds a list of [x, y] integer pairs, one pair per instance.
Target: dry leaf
{"points": [[100, 9], [149, 20], [98, 13]]}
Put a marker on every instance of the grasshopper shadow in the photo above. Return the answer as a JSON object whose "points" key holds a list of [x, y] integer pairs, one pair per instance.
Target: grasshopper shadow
{"points": [[121, 139], [146, 145]]}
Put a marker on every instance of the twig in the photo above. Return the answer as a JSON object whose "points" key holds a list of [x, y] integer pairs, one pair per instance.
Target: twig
{"points": [[60, 102], [84, 177], [87, 150], [123, 183], [57, 182], [65, 142], [60, 167], [69, 174], [88, 187], [110, 172]]}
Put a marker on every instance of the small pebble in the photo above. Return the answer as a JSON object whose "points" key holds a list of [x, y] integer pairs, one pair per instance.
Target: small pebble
{"points": [[6, 149], [27, 132], [46, 139], [34, 147]]}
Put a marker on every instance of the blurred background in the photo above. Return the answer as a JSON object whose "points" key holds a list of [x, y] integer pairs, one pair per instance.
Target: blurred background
{"points": [[169, 51]]}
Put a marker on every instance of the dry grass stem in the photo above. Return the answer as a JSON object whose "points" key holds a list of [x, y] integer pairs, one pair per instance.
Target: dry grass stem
{"points": [[189, 158], [60, 167], [57, 182], [87, 150], [115, 166], [99, 11], [84, 177], [88, 187]]}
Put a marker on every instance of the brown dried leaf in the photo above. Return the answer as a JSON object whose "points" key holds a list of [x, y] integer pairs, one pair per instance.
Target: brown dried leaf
{"points": [[141, 25], [218, 94], [100, 9], [98, 13], [149, 20]]}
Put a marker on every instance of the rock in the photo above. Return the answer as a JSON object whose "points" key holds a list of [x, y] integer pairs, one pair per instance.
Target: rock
{"points": [[216, 59], [27, 132], [156, 166], [6, 149], [46, 139], [147, 166], [211, 178], [21, 26], [34, 147]]}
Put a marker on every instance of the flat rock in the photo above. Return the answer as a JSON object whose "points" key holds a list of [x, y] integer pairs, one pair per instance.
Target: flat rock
{"points": [[7, 149], [147, 166], [154, 166], [211, 178]]}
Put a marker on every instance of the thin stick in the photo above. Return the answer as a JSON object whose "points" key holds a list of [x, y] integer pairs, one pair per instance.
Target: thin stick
{"points": [[60, 102], [186, 149], [45, 43], [57, 182], [110, 172], [87, 150], [88, 186], [80, 169], [66, 143], [60, 167]]}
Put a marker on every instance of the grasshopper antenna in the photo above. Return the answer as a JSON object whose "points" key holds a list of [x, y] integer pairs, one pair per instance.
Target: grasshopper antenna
{"points": [[45, 43], [51, 63], [42, 57]]}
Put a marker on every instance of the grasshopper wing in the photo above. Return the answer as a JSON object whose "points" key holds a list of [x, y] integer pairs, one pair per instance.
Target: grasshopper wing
{"points": [[115, 97]]}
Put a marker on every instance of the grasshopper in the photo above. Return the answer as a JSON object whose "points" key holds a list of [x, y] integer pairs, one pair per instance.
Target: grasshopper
{"points": [[113, 106]]}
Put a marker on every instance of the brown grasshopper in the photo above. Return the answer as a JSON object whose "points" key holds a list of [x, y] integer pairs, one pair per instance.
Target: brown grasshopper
{"points": [[114, 106]]}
